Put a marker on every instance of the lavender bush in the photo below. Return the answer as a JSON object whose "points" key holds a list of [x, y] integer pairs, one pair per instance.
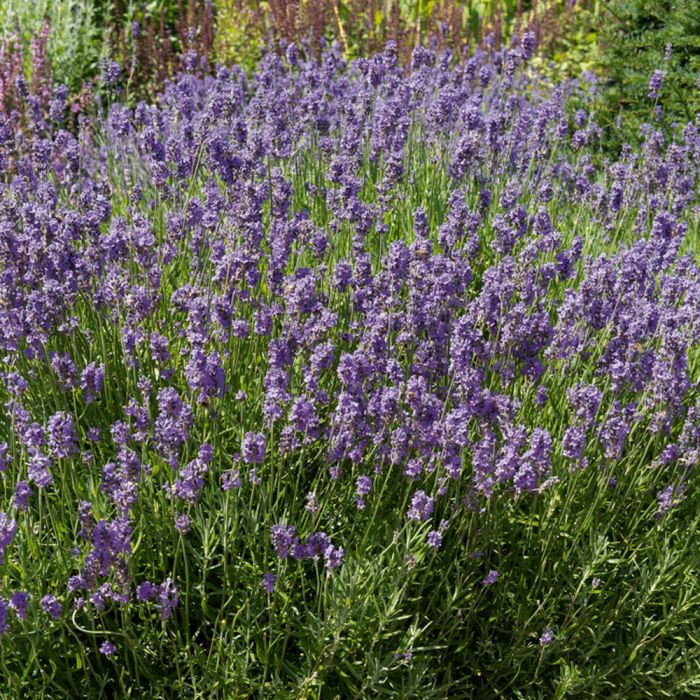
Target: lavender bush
{"points": [[342, 381]]}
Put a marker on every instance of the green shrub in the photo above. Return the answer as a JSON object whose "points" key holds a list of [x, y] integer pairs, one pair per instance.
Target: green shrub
{"points": [[568, 40], [240, 30], [633, 40]]}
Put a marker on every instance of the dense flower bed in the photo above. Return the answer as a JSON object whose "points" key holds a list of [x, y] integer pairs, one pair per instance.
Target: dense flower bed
{"points": [[264, 333]]}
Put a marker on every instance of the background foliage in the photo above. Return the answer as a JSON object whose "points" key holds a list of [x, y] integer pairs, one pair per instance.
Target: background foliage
{"points": [[618, 42], [633, 40]]}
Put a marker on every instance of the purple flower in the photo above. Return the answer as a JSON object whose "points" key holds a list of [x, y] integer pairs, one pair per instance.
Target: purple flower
{"points": [[413, 469], [121, 433], [269, 580], [183, 523], [585, 400], [363, 485], [62, 438], [146, 591], [292, 54], [51, 606], [253, 448], [167, 598], [655, 83], [110, 74], [205, 375], [434, 539], [7, 532], [283, 538], [34, 437], [19, 602], [16, 384], [111, 543], [91, 381], [491, 577], [342, 275], [334, 557], [4, 456], [21, 496], [541, 396], [240, 329], [303, 416], [65, 369], [159, 348], [108, 649], [547, 636], [172, 425], [231, 480], [77, 583], [528, 44], [574, 443], [668, 498], [421, 507], [316, 545], [3, 617], [190, 481], [311, 502]]}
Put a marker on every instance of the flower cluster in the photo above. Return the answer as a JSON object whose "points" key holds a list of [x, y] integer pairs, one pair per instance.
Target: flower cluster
{"points": [[318, 545]]}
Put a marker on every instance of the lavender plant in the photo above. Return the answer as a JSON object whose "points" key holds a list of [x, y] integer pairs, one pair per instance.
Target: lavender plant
{"points": [[343, 381]]}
